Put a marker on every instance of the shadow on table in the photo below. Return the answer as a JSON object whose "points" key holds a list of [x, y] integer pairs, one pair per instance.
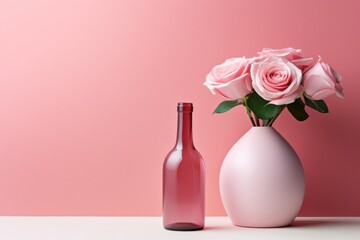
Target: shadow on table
{"points": [[300, 223], [316, 223], [217, 228]]}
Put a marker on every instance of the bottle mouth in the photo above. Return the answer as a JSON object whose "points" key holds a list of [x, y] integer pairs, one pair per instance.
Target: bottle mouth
{"points": [[185, 107]]}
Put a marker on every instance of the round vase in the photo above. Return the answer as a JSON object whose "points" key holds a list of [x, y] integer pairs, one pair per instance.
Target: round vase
{"points": [[262, 181]]}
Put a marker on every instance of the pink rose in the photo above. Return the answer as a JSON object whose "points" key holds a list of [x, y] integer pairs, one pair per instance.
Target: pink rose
{"points": [[291, 54], [321, 81], [230, 79], [276, 80]]}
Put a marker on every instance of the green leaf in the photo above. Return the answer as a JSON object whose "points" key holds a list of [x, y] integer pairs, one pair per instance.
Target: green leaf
{"points": [[297, 109], [318, 105], [226, 106], [262, 108]]}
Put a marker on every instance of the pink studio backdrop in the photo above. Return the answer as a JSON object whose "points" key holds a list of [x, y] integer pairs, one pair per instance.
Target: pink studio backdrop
{"points": [[88, 94]]}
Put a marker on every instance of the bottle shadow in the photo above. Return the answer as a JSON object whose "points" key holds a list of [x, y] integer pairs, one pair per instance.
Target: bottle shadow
{"points": [[217, 228]]}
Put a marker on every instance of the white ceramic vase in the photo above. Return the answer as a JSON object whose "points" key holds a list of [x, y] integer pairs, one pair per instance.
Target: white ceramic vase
{"points": [[262, 181]]}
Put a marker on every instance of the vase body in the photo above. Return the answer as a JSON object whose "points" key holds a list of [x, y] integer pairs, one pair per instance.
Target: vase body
{"points": [[184, 179], [262, 181]]}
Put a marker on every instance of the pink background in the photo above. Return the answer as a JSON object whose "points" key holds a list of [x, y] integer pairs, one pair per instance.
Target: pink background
{"points": [[88, 94]]}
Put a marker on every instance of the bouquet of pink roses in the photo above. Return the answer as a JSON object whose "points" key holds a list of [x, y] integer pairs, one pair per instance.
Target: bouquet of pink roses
{"points": [[274, 80]]}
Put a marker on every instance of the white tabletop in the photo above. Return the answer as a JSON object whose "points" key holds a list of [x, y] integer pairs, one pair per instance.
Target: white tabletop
{"points": [[150, 228]]}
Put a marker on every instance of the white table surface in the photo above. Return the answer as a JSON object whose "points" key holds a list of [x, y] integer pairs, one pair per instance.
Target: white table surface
{"points": [[150, 228]]}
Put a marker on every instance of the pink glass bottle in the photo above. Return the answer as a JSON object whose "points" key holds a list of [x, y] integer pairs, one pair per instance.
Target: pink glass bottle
{"points": [[184, 179]]}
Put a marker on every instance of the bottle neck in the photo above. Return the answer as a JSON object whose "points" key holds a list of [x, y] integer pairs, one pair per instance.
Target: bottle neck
{"points": [[184, 130]]}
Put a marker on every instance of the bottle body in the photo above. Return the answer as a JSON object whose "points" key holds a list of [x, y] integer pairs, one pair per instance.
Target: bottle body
{"points": [[184, 182]]}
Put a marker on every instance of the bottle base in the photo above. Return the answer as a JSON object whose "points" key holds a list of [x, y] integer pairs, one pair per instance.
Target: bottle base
{"points": [[183, 226]]}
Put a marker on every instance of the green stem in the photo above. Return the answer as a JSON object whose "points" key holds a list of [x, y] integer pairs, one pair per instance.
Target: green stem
{"points": [[266, 122], [248, 110], [251, 119], [257, 121], [270, 123], [273, 120]]}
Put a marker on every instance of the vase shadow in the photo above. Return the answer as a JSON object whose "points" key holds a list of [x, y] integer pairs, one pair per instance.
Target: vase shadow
{"points": [[316, 223], [298, 223]]}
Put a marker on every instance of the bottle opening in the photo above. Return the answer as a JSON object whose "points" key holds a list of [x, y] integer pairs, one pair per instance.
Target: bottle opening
{"points": [[185, 107]]}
